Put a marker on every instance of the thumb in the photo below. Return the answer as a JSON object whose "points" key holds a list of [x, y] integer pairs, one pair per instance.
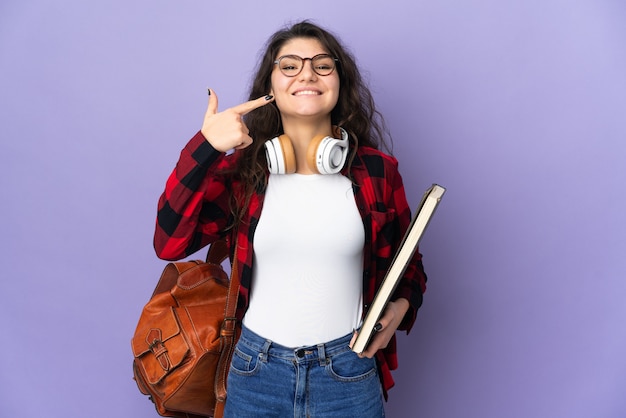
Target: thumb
{"points": [[212, 102]]}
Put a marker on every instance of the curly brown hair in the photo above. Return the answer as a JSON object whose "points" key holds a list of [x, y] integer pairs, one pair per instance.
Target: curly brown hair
{"points": [[355, 110]]}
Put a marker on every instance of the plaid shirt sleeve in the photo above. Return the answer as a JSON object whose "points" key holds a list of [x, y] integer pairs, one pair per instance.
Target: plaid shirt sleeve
{"points": [[194, 208], [413, 284]]}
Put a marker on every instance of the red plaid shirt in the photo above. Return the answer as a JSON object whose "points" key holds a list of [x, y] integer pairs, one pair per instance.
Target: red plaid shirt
{"points": [[194, 210]]}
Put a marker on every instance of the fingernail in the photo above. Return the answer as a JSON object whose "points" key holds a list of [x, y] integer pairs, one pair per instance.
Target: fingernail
{"points": [[208, 91], [269, 97], [378, 327]]}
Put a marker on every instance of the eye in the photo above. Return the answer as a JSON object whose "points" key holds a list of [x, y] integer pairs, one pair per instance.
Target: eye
{"points": [[324, 63], [289, 63]]}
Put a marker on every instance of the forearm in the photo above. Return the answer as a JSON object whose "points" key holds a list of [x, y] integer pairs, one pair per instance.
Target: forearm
{"points": [[190, 191]]}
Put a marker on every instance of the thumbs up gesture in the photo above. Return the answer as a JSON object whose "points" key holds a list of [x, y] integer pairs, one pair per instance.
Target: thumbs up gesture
{"points": [[226, 130]]}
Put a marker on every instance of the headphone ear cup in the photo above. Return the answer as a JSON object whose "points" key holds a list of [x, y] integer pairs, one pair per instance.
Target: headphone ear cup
{"points": [[289, 155], [281, 158], [313, 151], [327, 155]]}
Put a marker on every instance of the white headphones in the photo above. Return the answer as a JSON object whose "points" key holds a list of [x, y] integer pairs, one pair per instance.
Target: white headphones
{"points": [[325, 155]]}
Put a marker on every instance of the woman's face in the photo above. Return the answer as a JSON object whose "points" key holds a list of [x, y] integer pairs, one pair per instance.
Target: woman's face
{"points": [[308, 94]]}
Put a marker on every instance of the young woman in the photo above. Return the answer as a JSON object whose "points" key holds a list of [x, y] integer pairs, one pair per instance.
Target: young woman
{"points": [[317, 212]]}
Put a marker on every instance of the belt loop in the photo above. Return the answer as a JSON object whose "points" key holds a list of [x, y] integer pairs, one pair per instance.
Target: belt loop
{"points": [[321, 352], [265, 350]]}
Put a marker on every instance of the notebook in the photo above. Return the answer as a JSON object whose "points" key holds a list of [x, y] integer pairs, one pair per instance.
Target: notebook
{"points": [[405, 252]]}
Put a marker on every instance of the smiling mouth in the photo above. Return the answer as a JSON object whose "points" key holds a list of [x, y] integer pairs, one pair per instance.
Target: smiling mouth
{"points": [[307, 93]]}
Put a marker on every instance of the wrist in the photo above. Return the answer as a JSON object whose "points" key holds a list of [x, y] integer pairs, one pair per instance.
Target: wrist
{"points": [[402, 305]]}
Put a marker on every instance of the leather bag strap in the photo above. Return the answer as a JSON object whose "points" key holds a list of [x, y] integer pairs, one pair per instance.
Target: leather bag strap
{"points": [[218, 252], [228, 334]]}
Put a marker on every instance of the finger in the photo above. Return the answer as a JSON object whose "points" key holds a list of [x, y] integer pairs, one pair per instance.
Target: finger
{"points": [[212, 103], [373, 347], [248, 107], [369, 352], [378, 340], [244, 143], [353, 339]]}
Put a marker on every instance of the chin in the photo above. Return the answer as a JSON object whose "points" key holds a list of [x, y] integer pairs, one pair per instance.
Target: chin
{"points": [[313, 111]]}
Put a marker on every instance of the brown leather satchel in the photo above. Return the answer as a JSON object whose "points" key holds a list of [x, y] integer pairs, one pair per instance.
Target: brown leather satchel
{"points": [[185, 337]]}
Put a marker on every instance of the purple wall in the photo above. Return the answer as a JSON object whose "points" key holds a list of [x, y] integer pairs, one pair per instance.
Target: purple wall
{"points": [[517, 107]]}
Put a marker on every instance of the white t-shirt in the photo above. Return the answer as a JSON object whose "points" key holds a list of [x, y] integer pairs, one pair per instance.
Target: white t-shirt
{"points": [[308, 261]]}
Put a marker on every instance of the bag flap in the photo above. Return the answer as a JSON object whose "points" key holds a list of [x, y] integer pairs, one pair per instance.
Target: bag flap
{"points": [[158, 345]]}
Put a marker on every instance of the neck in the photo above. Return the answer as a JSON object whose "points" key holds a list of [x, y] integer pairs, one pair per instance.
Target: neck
{"points": [[301, 134]]}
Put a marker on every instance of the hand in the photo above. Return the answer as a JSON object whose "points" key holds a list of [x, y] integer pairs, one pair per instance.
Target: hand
{"points": [[226, 130], [389, 322]]}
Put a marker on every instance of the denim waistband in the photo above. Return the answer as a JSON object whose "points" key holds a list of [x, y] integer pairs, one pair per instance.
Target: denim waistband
{"points": [[300, 354]]}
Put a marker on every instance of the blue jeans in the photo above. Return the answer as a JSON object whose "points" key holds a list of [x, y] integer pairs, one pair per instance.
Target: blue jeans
{"points": [[326, 380]]}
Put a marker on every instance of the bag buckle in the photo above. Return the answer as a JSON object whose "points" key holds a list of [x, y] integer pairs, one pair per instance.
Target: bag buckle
{"points": [[156, 346]]}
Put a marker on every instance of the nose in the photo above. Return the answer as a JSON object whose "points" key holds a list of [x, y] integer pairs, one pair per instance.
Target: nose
{"points": [[307, 72]]}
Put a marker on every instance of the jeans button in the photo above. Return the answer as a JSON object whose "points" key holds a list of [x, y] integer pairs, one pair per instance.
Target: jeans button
{"points": [[300, 353]]}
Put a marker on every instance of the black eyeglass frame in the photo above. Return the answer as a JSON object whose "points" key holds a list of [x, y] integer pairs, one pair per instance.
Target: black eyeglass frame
{"points": [[302, 60]]}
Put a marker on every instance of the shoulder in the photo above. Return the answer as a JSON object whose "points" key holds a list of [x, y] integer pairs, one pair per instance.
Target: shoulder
{"points": [[376, 162]]}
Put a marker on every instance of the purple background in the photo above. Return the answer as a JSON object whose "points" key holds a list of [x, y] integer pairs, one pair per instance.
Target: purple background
{"points": [[517, 107]]}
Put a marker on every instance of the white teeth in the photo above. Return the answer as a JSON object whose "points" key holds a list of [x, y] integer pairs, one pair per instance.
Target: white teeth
{"points": [[306, 92]]}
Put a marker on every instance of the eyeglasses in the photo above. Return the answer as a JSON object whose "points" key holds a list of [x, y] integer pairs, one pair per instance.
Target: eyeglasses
{"points": [[291, 65]]}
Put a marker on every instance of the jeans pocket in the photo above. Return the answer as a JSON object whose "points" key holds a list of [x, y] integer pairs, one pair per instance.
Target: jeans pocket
{"points": [[349, 367], [245, 362]]}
